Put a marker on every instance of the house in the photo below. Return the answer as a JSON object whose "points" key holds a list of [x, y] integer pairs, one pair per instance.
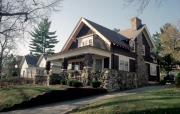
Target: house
{"points": [[32, 66], [97, 47]]}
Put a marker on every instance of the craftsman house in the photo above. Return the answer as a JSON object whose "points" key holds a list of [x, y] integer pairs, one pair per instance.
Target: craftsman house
{"points": [[92, 45], [32, 66]]}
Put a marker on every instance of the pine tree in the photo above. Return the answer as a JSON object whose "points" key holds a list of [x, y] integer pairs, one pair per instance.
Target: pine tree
{"points": [[43, 41]]}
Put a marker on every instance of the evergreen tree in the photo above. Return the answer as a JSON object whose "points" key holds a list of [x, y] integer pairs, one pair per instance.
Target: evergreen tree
{"points": [[43, 41]]}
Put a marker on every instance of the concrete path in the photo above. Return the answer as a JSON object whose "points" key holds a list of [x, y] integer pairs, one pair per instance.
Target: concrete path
{"points": [[64, 107]]}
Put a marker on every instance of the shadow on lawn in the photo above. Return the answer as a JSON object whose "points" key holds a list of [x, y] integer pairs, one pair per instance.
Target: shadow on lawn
{"points": [[55, 96], [157, 111], [121, 101]]}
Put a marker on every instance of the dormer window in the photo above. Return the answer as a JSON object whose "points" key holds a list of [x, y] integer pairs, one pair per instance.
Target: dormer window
{"points": [[85, 40], [143, 49]]}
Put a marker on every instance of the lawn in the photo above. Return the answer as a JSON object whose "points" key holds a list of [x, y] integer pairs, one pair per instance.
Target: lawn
{"points": [[18, 94], [166, 101]]}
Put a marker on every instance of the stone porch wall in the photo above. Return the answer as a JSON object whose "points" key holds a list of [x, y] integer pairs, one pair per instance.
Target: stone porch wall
{"points": [[119, 80]]}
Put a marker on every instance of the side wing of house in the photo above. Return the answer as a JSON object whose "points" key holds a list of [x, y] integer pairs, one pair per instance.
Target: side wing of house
{"points": [[24, 67], [149, 58]]}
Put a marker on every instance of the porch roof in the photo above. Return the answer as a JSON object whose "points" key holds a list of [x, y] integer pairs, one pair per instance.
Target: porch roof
{"points": [[80, 51]]}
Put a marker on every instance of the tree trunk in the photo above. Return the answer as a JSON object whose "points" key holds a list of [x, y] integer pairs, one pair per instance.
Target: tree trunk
{"points": [[1, 49]]}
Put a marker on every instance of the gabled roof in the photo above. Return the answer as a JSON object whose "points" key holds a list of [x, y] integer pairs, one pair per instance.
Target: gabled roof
{"points": [[41, 58], [31, 60], [108, 35], [111, 35]]}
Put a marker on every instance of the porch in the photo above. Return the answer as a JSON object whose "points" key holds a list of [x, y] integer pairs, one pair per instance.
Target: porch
{"points": [[77, 59]]}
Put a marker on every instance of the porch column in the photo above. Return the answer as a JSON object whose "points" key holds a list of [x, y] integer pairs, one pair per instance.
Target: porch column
{"points": [[88, 64]]}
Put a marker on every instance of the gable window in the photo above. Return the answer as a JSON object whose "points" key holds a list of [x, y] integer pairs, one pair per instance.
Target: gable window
{"points": [[143, 50], [123, 65]]}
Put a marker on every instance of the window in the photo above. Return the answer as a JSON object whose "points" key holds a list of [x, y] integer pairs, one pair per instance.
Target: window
{"points": [[143, 50], [153, 69], [82, 44], [69, 66], [126, 66], [90, 42], [86, 43], [123, 65]]}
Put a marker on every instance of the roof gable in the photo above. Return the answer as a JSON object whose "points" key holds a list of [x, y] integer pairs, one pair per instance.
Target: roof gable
{"points": [[109, 36], [132, 34], [41, 58], [31, 60]]}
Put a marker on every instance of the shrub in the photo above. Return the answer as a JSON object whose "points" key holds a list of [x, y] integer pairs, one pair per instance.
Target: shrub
{"points": [[162, 82], [55, 79], [96, 84], [69, 82], [63, 82], [177, 80], [75, 83]]}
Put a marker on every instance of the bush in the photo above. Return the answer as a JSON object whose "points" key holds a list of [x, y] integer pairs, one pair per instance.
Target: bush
{"points": [[96, 84], [63, 82], [177, 80], [15, 81], [75, 83], [162, 82], [55, 79]]}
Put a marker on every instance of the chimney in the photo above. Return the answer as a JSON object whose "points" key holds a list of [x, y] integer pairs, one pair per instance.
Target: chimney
{"points": [[135, 23]]}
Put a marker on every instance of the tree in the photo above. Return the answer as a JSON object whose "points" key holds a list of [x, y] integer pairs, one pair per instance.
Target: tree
{"points": [[167, 63], [43, 41], [15, 18], [170, 41], [142, 4], [157, 42]]}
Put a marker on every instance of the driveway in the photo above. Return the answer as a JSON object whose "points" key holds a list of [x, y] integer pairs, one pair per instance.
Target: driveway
{"points": [[64, 107]]}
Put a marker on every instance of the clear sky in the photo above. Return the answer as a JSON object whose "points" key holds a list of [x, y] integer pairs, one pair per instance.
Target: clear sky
{"points": [[109, 13]]}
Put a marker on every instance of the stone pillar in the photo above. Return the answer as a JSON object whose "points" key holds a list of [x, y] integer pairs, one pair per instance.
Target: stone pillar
{"points": [[86, 73]]}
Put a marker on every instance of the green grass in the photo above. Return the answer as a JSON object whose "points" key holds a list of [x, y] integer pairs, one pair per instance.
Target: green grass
{"points": [[152, 102], [18, 94]]}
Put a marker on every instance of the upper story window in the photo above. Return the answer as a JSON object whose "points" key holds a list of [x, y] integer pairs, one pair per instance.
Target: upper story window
{"points": [[143, 50]]}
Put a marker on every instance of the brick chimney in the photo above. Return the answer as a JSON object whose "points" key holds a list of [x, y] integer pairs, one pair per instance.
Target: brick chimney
{"points": [[135, 23]]}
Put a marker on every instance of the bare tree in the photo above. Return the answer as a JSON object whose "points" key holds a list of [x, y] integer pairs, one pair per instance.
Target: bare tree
{"points": [[142, 4], [15, 18]]}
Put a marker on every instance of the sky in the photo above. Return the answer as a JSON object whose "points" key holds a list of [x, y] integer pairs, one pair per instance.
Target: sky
{"points": [[109, 13]]}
